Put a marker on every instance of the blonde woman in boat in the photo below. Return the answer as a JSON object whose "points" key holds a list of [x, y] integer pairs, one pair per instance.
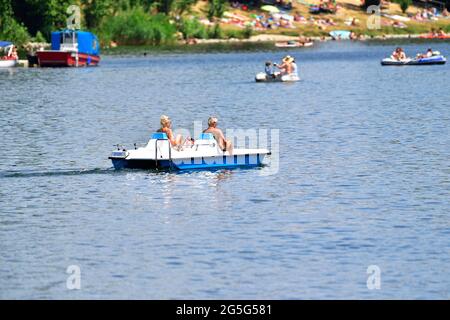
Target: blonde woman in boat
{"points": [[166, 127]]}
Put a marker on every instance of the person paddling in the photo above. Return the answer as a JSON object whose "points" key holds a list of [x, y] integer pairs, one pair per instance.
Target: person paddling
{"points": [[285, 67]]}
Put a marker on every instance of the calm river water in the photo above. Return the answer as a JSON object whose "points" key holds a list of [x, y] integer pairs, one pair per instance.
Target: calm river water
{"points": [[364, 179]]}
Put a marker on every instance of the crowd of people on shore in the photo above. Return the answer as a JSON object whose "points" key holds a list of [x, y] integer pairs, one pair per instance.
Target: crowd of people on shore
{"points": [[290, 19], [437, 32], [430, 14]]}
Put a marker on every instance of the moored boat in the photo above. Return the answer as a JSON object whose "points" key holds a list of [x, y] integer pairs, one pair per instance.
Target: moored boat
{"points": [[204, 153], [71, 48], [7, 58], [293, 44], [340, 34]]}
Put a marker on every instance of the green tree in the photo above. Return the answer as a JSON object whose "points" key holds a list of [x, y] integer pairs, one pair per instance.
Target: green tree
{"points": [[368, 3], [183, 6], [216, 9], [137, 27], [6, 14], [42, 15], [10, 29], [404, 4], [95, 10]]}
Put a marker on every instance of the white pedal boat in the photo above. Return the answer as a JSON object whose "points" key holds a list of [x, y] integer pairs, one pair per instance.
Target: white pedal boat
{"points": [[204, 153], [263, 77]]}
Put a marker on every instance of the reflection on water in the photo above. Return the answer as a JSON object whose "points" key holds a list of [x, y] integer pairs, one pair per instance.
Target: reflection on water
{"points": [[363, 179]]}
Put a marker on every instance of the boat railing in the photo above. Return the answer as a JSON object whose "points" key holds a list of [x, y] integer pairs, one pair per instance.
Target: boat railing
{"points": [[156, 152]]}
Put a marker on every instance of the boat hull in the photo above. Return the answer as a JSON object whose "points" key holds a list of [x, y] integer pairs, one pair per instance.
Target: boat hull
{"points": [[53, 58], [8, 63], [262, 77], [203, 163], [294, 44], [414, 62]]}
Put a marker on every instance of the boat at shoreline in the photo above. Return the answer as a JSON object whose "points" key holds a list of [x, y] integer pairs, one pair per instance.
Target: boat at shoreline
{"points": [[293, 44], [340, 34], [433, 36], [7, 60], [203, 154], [71, 48]]}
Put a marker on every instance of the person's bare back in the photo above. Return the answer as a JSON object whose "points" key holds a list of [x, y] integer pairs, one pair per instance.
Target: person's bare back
{"points": [[224, 144]]}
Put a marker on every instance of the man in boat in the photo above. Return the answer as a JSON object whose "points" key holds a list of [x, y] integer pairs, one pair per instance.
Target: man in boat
{"points": [[286, 66], [428, 54], [269, 70], [224, 144], [398, 54]]}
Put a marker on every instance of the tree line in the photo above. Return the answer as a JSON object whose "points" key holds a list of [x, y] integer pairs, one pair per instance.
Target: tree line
{"points": [[128, 22]]}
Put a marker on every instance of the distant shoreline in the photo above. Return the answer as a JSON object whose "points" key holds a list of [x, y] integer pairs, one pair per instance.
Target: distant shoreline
{"points": [[263, 41]]}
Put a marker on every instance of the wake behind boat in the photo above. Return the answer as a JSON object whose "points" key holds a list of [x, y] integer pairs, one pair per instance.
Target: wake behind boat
{"points": [[202, 154]]}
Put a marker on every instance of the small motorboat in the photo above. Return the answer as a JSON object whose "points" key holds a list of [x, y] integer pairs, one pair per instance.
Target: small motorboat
{"points": [[293, 44], [437, 58], [7, 60], [203, 153], [71, 48], [263, 77]]}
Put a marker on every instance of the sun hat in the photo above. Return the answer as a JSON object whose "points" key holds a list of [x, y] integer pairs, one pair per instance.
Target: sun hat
{"points": [[288, 59]]}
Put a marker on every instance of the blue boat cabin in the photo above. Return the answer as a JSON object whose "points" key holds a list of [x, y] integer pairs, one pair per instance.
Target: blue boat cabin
{"points": [[81, 41]]}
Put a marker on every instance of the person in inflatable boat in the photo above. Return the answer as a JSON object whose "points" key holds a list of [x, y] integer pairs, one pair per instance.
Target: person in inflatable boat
{"points": [[286, 66], [269, 70], [398, 54], [428, 54], [294, 67]]}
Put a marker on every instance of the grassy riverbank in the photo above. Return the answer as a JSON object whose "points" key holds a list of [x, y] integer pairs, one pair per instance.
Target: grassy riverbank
{"points": [[238, 29], [347, 10], [122, 24]]}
